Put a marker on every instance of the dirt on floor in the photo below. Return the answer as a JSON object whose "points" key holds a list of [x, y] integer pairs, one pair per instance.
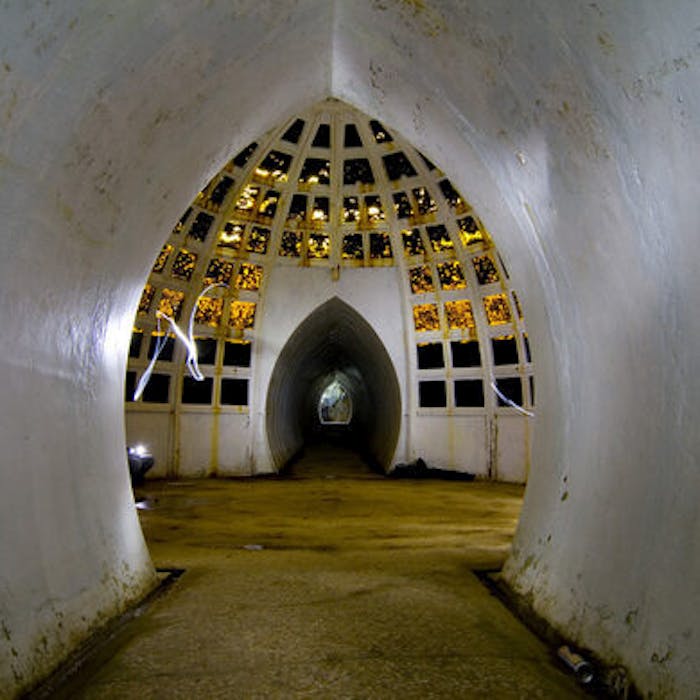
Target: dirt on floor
{"points": [[331, 583]]}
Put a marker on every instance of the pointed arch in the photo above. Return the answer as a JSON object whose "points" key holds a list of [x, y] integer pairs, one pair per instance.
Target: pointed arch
{"points": [[334, 338]]}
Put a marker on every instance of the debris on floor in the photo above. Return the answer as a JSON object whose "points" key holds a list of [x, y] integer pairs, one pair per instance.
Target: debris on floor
{"points": [[420, 470]]}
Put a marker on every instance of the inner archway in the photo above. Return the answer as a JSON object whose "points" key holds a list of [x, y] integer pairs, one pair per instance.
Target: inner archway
{"points": [[334, 341], [332, 203]]}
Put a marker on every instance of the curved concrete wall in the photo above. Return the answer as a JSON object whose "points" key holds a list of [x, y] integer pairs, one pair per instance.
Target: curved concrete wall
{"points": [[112, 117], [571, 128]]}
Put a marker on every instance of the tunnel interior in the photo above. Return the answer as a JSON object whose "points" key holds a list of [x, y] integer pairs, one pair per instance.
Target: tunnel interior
{"points": [[570, 125], [334, 344]]}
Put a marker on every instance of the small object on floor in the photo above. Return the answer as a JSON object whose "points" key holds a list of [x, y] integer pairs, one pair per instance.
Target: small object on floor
{"points": [[581, 668], [420, 470], [140, 461], [253, 547]]}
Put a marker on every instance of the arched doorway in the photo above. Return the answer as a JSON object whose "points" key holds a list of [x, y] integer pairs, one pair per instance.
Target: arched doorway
{"points": [[334, 343]]}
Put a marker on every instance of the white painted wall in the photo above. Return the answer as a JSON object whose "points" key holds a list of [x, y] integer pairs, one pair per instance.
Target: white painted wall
{"points": [[460, 443], [573, 130]]}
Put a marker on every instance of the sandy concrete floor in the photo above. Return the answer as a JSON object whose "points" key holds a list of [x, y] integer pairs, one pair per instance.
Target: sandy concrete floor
{"points": [[332, 584]]}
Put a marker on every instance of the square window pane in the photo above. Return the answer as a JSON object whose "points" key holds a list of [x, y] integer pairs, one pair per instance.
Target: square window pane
{"points": [[237, 354], [511, 388], [166, 354], [135, 345], [234, 392], [157, 389], [469, 392], [432, 394], [206, 350], [430, 356], [505, 350], [195, 392], [129, 386], [465, 353]]}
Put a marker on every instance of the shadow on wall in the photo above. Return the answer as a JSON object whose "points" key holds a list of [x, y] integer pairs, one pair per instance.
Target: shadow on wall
{"points": [[334, 342]]}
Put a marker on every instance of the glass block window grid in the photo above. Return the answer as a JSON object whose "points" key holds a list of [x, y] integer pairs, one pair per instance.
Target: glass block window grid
{"points": [[332, 187]]}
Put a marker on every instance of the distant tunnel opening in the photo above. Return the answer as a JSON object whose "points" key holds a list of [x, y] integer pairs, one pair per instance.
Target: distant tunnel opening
{"points": [[334, 383]]}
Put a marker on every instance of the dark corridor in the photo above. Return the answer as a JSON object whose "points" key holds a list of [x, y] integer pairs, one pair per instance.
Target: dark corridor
{"points": [[334, 348]]}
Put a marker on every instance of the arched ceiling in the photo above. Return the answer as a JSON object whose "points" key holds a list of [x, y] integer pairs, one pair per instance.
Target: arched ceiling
{"points": [[330, 187]]}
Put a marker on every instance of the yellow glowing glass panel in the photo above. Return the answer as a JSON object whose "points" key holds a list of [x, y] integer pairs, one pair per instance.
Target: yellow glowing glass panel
{"points": [[249, 277], [209, 311], [402, 206], [146, 299], [258, 240], [319, 215], [320, 210], [353, 247], [297, 209], [412, 242], [439, 238], [290, 245], [184, 264], [485, 270], [374, 210], [426, 204], [162, 258], [351, 210], [497, 309], [451, 276], [268, 206], [265, 174], [459, 315], [274, 167], [246, 202], [421, 279], [379, 246], [426, 317], [454, 199], [231, 236], [218, 271], [170, 302], [319, 245], [469, 231], [315, 171], [242, 315]]}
